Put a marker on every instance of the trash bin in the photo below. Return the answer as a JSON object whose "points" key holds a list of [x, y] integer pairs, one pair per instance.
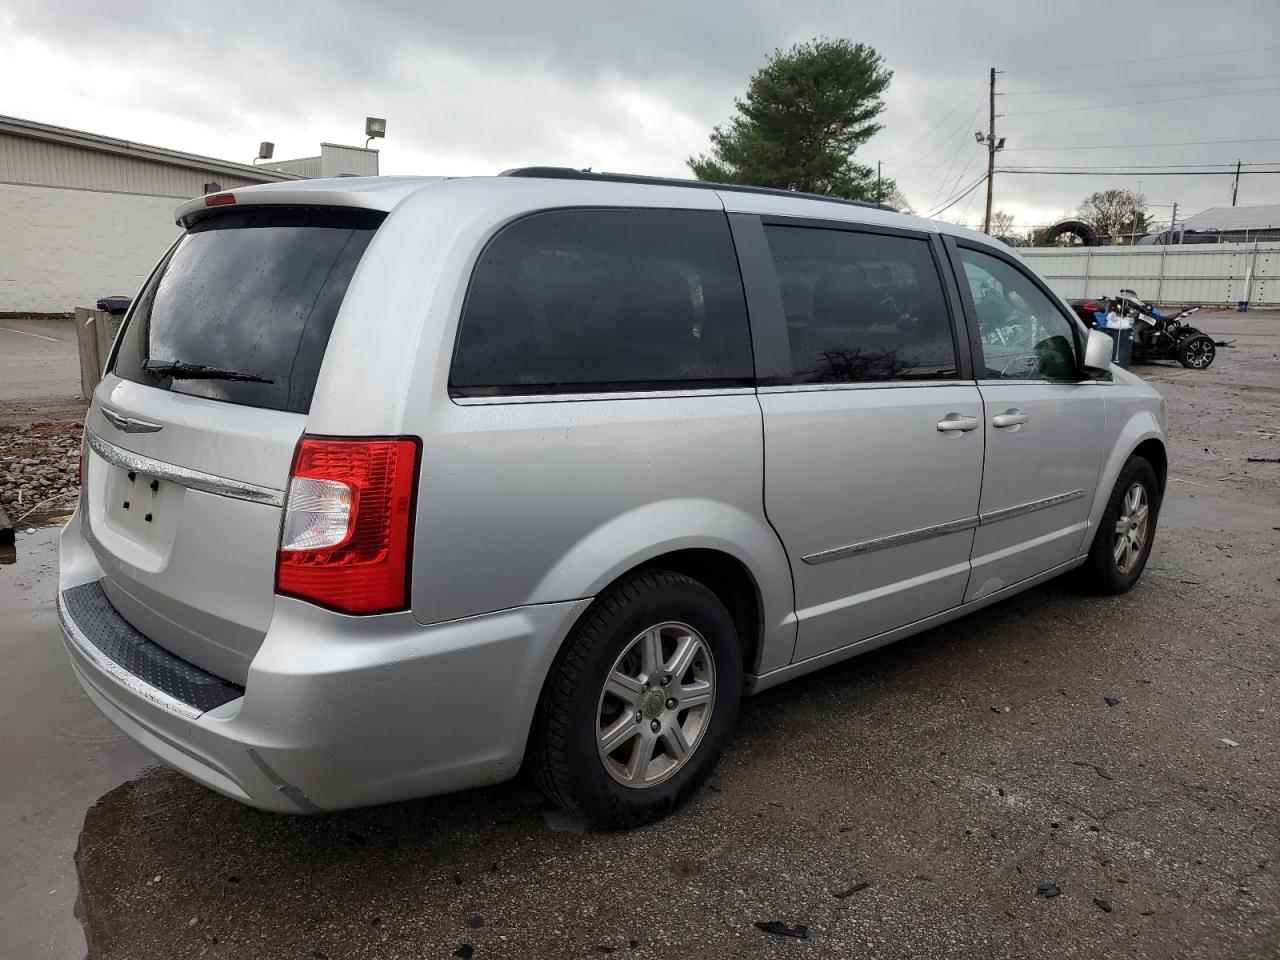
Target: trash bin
{"points": [[115, 305], [1122, 352]]}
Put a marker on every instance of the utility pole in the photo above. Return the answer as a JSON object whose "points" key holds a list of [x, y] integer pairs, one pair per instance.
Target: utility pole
{"points": [[991, 152], [880, 187], [1173, 223], [1235, 184]]}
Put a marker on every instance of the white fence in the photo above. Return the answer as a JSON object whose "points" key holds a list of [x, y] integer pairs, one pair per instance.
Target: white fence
{"points": [[1211, 274]]}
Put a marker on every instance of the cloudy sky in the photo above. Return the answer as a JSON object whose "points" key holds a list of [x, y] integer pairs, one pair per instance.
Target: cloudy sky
{"points": [[474, 87]]}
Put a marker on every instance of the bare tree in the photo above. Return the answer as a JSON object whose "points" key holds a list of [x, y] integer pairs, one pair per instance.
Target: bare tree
{"points": [[1001, 224], [1116, 212], [898, 200]]}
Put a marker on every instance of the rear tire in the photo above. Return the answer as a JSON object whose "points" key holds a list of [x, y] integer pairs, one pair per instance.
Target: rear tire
{"points": [[640, 703], [1123, 541]]}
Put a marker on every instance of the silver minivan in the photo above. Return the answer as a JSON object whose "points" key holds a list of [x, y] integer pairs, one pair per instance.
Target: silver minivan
{"points": [[394, 486]]}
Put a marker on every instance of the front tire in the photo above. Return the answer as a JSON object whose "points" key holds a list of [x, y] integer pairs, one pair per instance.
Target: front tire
{"points": [[1123, 541], [641, 702], [1197, 351]]}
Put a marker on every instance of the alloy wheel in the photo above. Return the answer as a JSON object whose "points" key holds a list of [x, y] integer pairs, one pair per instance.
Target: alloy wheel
{"points": [[656, 704], [1200, 353], [1131, 528]]}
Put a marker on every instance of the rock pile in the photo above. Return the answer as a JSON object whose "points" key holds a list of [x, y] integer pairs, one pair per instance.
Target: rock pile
{"points": [[38, 463]]}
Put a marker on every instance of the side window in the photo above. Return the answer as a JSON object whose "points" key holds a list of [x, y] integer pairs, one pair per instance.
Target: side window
{"points": [[1024, 334], [580, 300], [861, 306]]}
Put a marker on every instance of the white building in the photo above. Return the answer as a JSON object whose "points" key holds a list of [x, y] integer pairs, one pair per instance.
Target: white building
{"points": [[83, 216]]}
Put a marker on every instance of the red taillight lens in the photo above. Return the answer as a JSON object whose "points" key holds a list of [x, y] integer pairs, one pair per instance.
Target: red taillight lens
{"points": [[347, 537], [219, 199]]}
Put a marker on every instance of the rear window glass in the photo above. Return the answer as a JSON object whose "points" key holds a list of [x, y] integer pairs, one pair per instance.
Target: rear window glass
{"points": [[581, 300], [862, 306], [242, 309]]}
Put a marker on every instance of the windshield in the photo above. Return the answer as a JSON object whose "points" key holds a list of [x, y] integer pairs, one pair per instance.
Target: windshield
{"points": [[242, 309]]}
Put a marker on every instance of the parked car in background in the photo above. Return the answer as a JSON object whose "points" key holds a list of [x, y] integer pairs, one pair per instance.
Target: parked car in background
{"points": [[396, 485]]}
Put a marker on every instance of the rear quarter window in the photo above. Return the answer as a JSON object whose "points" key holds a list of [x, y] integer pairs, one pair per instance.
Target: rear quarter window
{"points": [[605, 299], [242, 308]]}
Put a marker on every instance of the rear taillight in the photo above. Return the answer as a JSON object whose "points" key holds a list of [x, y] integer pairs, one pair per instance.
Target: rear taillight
{"points": [[219, 199], [347, 538]]}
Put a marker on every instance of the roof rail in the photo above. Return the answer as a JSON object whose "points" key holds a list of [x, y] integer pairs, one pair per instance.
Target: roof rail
{"points": [[569, 173]]}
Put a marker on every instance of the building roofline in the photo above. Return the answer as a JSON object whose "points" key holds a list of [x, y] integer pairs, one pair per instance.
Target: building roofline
{"points": [[347, 146], [140, 151]]}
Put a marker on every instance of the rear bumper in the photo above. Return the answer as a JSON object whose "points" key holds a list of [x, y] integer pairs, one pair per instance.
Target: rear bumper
{"points": [[337, 711]]}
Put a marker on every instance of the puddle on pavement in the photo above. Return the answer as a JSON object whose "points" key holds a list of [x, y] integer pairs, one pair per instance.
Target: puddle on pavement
{"points": [[28, 526]]}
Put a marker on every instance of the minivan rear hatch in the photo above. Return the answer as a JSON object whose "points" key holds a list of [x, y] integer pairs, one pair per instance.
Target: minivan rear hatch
{"points": [[191, 433]]}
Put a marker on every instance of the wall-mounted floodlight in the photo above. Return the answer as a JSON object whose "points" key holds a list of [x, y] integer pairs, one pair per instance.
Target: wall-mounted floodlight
{"points": [[980, 137], [374, 127]]}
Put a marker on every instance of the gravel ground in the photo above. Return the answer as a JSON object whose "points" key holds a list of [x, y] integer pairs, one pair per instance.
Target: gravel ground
{"points": [[38, 466], [1054, 776]]}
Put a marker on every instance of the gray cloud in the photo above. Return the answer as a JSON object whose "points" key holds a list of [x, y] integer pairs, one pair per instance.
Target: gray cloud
{"points": [[474, 87]]}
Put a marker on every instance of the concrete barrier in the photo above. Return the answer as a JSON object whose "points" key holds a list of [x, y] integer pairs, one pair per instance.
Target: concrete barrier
{"points": [[95, 333]]}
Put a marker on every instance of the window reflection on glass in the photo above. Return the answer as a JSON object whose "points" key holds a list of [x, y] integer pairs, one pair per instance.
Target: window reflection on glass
{"points": [[580, 300], [861, 307], [1024, 334]]}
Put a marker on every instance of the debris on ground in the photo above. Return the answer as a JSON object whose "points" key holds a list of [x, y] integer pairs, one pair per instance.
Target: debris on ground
{"points": [[1228, 741], [1096, 769], [1112, 701], [841, 894], [466, 951], [1102, 905], [1048, 890], [780, 929]]}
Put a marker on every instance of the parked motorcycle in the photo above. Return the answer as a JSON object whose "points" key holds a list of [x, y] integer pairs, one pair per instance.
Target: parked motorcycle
{"points": [[1156, 335]]}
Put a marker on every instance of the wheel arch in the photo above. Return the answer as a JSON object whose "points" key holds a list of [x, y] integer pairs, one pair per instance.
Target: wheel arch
{"points": [[1140, 435], [1153, 451]]}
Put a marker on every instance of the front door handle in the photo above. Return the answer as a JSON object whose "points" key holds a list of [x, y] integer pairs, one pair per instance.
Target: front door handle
{"points": [[1010, 418], [956, 423]]}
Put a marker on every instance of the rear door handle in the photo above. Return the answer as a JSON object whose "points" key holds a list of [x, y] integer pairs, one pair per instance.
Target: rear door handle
{"points": [[1010, 418], [957, 423]]}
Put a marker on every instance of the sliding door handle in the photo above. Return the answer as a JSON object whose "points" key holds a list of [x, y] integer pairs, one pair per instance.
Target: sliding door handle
{"points": [[954, 423], [1010, 418]]}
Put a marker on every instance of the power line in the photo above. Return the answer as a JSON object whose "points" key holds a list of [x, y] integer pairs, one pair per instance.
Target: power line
{"points": [[1128, 131], [1163, 166], [943, 188], [1137, 86], [1144, 146], [1111, 63], [956, 199], [1137, 103], [1078, 172], [961, 131], [946, 116]]}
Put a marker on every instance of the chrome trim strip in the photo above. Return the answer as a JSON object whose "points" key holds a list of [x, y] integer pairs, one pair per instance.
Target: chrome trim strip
{"points": [[196, 480], [119, 674], [940, 529], [617, 395], [870, 385], [893, 540], [1018, 510]]}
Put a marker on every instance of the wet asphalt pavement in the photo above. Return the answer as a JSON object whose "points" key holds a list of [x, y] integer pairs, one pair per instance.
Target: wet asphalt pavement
{"points": [[1121, 755]]}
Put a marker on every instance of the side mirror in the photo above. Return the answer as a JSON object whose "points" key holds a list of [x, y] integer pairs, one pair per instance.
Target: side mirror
{"points": [[1098, 351]]}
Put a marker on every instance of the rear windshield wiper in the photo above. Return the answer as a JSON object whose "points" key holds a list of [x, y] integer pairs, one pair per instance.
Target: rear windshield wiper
{"points": [[179, 370]]}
